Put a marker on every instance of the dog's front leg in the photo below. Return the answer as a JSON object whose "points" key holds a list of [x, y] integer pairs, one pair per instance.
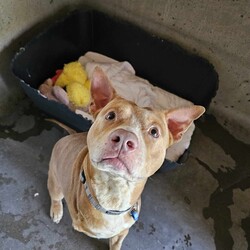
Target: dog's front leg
{"points": [[56, 195], [115, 243]]}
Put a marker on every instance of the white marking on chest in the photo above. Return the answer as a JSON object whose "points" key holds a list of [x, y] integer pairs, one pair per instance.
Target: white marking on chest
{"points": [[113, 193]]}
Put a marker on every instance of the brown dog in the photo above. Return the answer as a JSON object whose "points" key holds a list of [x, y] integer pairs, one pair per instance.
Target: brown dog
{"points": [[102, 175]]}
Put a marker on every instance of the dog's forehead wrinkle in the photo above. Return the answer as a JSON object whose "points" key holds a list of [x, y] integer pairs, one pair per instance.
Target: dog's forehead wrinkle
{"points": [[149, 118], [122, 110], [127, 113]]}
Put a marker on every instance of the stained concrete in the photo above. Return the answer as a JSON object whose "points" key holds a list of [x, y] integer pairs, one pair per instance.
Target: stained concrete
{"points": [[201, 205]]}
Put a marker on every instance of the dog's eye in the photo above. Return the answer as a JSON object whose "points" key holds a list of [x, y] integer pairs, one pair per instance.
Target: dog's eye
{"points": [[110, 116], [154, 132]]}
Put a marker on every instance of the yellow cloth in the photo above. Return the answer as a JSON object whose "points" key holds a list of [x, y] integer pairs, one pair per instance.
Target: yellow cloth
{"points": [[72, 72], [78, 94], [74, 78]]}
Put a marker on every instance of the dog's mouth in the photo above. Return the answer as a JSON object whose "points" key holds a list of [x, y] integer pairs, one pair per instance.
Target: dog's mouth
{"points": [[118, 167], [116, 163]]}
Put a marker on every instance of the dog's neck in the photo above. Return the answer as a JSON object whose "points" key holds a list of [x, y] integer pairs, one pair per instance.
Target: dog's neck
{"points": [[113, 192]]}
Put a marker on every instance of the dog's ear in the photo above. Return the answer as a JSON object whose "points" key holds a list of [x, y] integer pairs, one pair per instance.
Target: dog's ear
{"points": [[101, 90], [180, 119]]}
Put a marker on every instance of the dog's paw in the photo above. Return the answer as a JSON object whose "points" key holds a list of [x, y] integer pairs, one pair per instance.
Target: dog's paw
{"points": [[56, 211], [76, 227]]}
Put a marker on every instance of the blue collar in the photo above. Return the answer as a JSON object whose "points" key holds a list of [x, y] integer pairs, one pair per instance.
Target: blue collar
{"points": [[96, 205]]}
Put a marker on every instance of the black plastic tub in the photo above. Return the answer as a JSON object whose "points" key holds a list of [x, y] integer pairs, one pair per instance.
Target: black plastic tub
{"points": [[162, 62]]}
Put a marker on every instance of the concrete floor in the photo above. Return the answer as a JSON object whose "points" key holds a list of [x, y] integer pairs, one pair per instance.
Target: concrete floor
{"points": [[202, 205]]}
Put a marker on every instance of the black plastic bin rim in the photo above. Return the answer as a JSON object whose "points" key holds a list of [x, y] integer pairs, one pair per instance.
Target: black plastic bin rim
{"points": [[158, 60]]}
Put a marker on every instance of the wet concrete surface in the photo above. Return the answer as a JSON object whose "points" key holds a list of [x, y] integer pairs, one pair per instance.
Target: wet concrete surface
{"points": [[201, 205]]}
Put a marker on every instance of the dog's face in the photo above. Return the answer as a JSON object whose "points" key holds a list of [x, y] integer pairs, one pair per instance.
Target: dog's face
{"points": [[129, 141]]}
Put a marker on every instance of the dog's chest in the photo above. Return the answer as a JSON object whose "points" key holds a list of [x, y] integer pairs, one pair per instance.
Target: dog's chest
{"points": [[112, 194], [112, 225]]}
